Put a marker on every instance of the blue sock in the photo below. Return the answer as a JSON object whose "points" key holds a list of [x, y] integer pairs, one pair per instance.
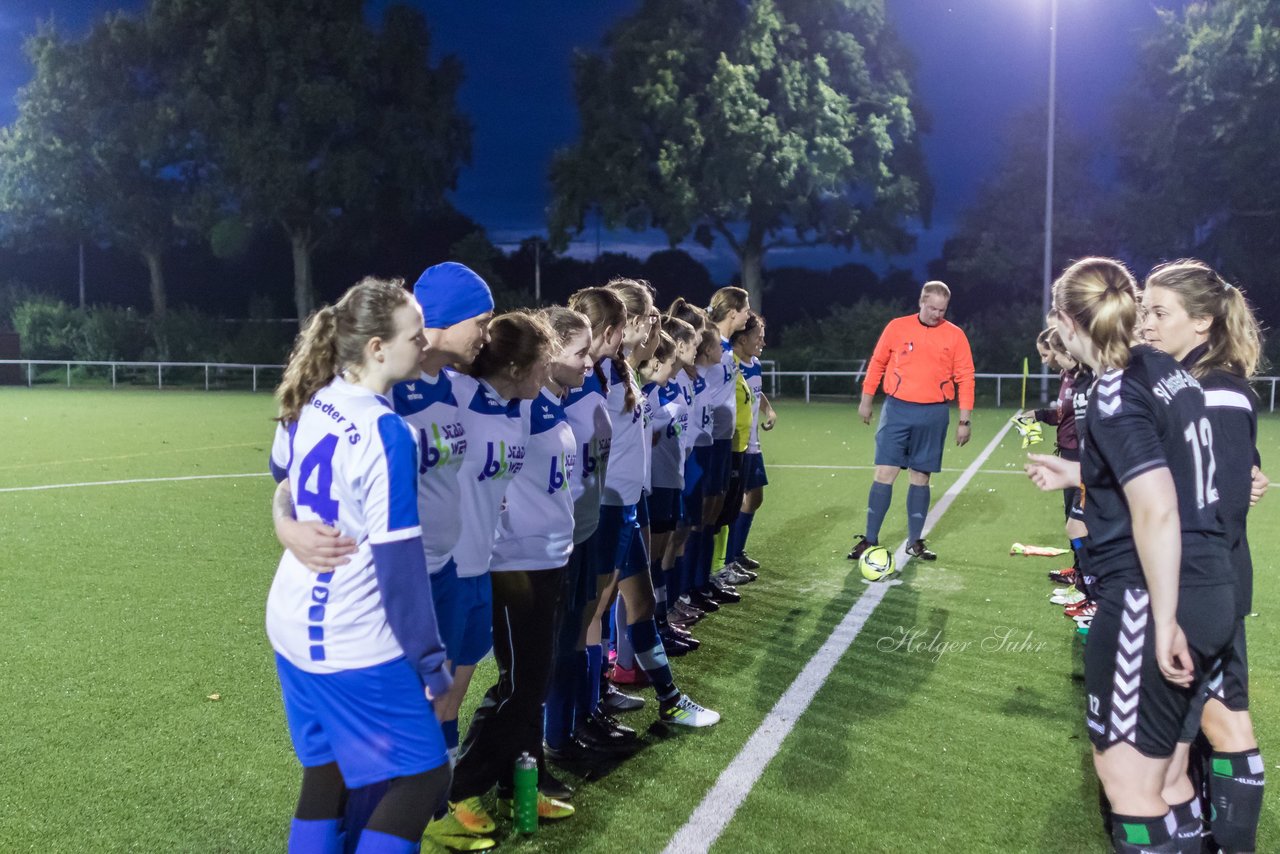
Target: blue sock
{"points": [[653, 658], [377, 842], [877, 506], [595, 666], [557, 718], [741, 530], [361, 802], [315, 837], [917, 510], [450, 730]]}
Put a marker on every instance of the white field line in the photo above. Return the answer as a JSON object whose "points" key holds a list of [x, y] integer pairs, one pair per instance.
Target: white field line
{"points": [[47, 486], [873, 468], [720, 804]]}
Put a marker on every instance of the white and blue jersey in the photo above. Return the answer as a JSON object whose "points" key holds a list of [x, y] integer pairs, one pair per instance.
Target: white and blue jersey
{"points": [[535, 528], [670, 424], [430, 408], [629, 450], [587, 412], [701, 415], [352, 464], [754, 375], [495, 455], [721, 380]]}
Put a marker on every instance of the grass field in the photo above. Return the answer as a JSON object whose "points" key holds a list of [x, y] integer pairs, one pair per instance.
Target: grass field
{"points": [[129, 607]]}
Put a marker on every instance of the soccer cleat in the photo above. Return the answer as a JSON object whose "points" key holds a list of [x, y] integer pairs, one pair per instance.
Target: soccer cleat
{"points": [[1067, 596], [734, 574], [1083, 608], [432, 844], [596, 730], [470, 815], [629, 676], [703, 602], [747, 562], [860, 546], [674, 645], [613, 700], [1063, 576], [577, 752], [723, 593], [918, 549], [552, 787], [549, 809], [684, 613], [685, 712]]}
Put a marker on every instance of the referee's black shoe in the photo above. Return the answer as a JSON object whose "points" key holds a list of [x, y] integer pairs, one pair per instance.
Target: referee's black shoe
{"points": [[860, 546], [918, 549]]}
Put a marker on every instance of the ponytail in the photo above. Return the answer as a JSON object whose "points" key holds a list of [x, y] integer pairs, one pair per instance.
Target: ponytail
{"points": [[1101, 297], [1235, 338], [334, 339]]}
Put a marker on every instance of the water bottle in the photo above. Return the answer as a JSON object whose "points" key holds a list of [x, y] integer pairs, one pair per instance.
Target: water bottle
{"points": [[525, 806]]}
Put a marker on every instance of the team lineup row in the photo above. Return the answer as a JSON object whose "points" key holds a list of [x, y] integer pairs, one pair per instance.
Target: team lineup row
{"points": [[546, 485], [1158, 464]]}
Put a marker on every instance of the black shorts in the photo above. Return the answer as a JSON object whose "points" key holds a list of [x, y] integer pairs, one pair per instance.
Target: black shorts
{"points": [[1227, 682], [666, 509], [1128, 699], [1070, 500]]}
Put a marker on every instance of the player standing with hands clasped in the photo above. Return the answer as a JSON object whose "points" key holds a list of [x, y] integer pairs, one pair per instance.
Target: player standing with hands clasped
{"points": [[923, 359]]}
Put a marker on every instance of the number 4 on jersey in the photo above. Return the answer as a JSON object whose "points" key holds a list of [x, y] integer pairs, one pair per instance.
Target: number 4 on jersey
{"points": [[316, 475]]}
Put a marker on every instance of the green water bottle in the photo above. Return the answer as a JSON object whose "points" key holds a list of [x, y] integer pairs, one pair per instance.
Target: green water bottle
{"points": [[525, 805]]}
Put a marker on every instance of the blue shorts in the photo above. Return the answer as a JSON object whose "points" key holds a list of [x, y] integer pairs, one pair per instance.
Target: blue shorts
{"points": [[621, 546], [375, 722], [715, 462], [642, 511], [666, 509], [464, 614], [753, 474], [911, 435]]}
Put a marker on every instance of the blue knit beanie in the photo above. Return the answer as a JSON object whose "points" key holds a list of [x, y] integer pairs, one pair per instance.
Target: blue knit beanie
{"points": [[450, 293]]}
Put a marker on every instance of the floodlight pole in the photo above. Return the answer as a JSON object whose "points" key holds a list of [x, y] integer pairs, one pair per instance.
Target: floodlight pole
{"points": [[1047, 302]]}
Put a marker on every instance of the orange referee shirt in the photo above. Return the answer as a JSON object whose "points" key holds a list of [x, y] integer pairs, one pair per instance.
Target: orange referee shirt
{"points": [[922, 364]]}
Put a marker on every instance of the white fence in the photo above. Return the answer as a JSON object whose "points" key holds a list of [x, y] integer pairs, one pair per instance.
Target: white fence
{"points": [[211, 370], [218, 373]]}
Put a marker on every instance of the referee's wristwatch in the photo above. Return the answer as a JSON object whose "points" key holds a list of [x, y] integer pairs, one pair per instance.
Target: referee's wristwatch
{"points": [[964, 423]]}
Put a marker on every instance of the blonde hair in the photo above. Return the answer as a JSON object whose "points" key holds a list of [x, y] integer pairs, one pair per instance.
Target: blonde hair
{"points": [[603, 308], [682, 332], [665, 350], [517, 340], [334, 340], [1101, 297], [726, 300], [935, 288], [682, 309], [1235, 338]]}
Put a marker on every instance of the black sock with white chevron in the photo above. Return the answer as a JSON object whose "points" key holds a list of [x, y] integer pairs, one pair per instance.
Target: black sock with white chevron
{"points": [[1235, 790], [1144, 834]]}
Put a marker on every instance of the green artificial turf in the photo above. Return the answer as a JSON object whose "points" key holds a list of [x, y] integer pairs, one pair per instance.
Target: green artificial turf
{"points": [[128, 606]]}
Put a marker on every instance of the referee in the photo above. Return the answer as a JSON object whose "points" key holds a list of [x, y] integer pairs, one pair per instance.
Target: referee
{"points": [[922, 359]]}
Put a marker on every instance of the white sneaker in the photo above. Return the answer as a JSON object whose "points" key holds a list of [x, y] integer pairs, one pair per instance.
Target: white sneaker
{"points": [[686, 712], [732, 575], [1070, 597]]}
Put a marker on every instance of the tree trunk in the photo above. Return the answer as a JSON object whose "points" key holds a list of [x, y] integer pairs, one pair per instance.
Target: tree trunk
{"points": [[751, 262], [304, 298], [159, 302]]}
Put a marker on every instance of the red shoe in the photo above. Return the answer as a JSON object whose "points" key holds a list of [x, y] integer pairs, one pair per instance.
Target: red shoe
{"points": [[1086, 608], [623, 676]]}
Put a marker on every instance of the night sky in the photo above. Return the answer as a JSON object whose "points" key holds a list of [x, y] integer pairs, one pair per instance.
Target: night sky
{"points": [[979, 64]]}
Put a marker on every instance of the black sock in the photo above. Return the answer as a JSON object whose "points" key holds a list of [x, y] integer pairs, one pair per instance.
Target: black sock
{"points": [[1190, 825], [1143, 834], [1235, 790]]}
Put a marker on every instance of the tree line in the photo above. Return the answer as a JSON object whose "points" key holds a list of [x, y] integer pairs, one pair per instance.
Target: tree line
{"points": [[218, 126]]}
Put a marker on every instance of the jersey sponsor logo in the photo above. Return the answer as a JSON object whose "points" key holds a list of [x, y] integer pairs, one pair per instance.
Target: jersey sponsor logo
{"points": [[445, 444], [501, 461], [589, 461], [1168, 386], [677, 426], [561, 471]]}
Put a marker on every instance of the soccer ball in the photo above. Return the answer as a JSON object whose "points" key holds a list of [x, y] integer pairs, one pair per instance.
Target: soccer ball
{"points": [[876, 563]]}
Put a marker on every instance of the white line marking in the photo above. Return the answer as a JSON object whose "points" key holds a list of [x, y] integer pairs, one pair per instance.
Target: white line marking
{"points": [[43, 487], [873, 468], [720, 804]]}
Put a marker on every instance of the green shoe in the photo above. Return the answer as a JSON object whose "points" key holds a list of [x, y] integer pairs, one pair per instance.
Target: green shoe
{"points": [[549, 809]]}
